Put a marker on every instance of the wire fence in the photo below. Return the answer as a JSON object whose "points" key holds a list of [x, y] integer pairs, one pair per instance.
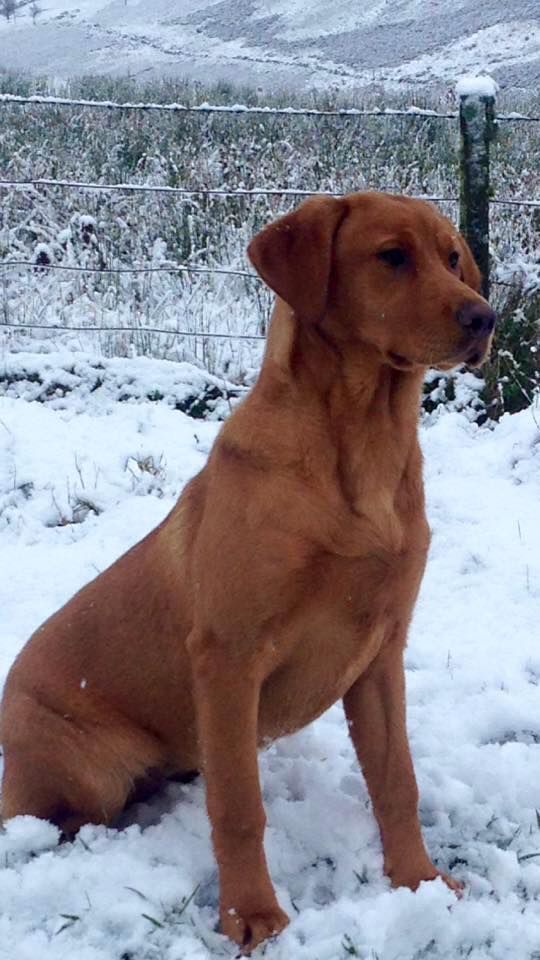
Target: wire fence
{"points": [[244, 193], [237, 108], [162, 268], [412, 113], [191, 192], [164, 331]]}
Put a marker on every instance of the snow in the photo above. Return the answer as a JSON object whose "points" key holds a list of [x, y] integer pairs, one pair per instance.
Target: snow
{"points": [[509, 47], [82, 382], [473, 676], [476, 86], [273, 43]]}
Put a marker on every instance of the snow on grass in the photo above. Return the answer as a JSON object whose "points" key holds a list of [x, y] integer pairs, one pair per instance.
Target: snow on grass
{"points": [[79, 486], [309, 44], [489, 48], [83, 382]]}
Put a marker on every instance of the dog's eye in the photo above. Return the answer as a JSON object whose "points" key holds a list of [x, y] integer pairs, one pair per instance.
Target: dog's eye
{"points": [[394, 257], [453, 259]]}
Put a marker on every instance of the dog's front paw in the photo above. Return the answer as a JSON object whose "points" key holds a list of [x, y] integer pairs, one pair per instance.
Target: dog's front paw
{"points": [[456, 885], [413, 876], [248, 928]]}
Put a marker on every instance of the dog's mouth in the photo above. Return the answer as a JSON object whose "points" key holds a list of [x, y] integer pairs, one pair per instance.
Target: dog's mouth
{"points": [[478, 353], [473, 356], [474, 359], [400, 362]]}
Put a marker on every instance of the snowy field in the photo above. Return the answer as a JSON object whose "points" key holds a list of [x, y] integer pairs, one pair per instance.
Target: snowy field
{"points": [[278, 43], [79, 483]]}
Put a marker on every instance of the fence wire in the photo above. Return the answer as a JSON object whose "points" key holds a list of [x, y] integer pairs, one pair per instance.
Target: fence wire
{"points": [[240, 108], [218, 192], [169, 268], [63, 328], [185, 191], [236, 108]]}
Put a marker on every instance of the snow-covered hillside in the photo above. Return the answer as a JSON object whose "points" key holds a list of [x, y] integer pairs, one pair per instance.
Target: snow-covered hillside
{"points": [[79, 483], [275, 42]]}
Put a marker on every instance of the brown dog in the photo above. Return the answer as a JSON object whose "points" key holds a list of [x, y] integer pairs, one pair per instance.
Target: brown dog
{"points": [[285, 576]]}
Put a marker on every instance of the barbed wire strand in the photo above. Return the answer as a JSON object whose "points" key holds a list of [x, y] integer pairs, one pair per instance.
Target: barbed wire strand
{"points": [[240, 108], [53, 328], [187, 191], [218, 192], [236, 108], [514, 202], [516, 118], [173, 268]]}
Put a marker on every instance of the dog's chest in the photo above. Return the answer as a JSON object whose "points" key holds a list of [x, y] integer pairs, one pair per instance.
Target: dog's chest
{"points": [[322, 667], [338, 631]]}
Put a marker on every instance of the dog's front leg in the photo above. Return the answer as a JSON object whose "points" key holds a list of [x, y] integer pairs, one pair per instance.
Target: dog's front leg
{"points": [[226, 694], [375, 711]]}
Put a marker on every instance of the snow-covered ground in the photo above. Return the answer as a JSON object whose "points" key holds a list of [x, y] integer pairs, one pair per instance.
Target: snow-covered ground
{"points": [[277, 42], [79, 483]]}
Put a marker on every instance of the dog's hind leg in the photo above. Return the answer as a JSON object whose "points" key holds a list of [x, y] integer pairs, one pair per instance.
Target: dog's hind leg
{"points": [[70, 772]]}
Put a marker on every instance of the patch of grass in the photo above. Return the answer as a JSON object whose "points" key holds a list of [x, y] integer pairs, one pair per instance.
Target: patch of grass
{"points": [[362, 877], [512, 374], [170, 917], [349, 947], [153, 921], [79, 508], [70, 920], [148, 474]]}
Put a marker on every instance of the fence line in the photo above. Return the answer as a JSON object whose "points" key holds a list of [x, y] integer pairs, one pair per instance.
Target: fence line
{"points": [[516, 118], [159, 330], [237, 108], [185, 191], [174, 268], [514, 201], [146, 188], [240, 192]]}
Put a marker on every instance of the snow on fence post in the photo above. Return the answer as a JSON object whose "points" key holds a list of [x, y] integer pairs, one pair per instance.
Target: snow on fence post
{"points": [[477, 128]]}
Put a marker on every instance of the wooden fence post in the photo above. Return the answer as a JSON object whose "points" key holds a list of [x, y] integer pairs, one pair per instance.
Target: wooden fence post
{"points": [[477, 129]]}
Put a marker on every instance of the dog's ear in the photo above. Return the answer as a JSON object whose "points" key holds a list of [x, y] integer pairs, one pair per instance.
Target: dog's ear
{"points": [[293, 255], [470, 274]]}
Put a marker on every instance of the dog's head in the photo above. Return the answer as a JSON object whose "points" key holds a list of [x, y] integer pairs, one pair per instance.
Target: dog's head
{"points": [[386, 270]]}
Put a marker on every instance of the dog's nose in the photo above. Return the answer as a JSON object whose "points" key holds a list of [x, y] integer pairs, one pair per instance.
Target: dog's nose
{"points": [[478, 319]]}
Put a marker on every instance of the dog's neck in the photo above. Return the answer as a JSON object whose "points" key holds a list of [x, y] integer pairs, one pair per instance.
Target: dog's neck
{"points": [[370, 409], [373, 410]]}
